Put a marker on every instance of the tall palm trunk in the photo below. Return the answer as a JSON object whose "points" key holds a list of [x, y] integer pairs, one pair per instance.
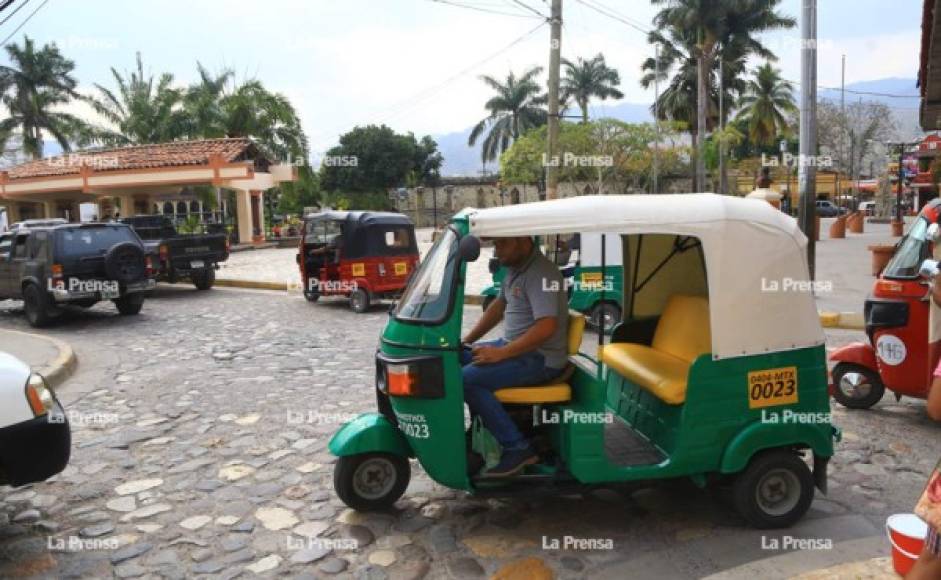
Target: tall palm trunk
{"points": [[702, 109], [694, 136]]}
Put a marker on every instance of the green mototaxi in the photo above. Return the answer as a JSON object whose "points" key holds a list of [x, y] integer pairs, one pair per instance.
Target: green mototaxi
{"points": [[709, 375]]}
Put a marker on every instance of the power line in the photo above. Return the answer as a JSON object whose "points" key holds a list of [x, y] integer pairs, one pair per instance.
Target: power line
{"points": [[481, 9], [5, 5], [530, 8], [4, 21], [22, 24], [610, 14]]}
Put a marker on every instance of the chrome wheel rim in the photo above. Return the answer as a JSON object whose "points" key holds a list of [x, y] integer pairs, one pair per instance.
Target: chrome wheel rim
{"points": [[855, 385]]}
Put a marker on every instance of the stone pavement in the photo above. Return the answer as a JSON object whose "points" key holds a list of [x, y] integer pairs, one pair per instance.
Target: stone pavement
{"points": [[200, 433]]}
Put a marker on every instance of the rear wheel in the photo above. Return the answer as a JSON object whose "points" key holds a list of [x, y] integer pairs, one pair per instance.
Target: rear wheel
{"points": [[203, 279], [130, 304], [775, 490], [856, 386], [371, 481], [37, 304], [312, 291], [359, 301], [606, 312]]}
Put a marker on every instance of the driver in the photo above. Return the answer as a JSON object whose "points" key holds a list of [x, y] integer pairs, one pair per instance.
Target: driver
{"points": [[533, 307]]}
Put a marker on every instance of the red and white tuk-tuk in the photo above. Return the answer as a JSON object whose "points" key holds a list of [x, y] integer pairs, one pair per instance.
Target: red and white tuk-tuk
{"points": [[903, 347]]}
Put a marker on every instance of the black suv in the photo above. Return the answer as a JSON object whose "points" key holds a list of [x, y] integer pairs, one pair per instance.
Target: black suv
{"points": [[79, 264]]}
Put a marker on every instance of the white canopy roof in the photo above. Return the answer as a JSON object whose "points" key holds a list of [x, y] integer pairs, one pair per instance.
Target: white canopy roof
{"points": [[756, 257]]}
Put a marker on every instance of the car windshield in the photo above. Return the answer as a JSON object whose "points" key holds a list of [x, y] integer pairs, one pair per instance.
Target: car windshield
{"points": [[91, 240], [321, 231], [428, 295], [910, 253]]}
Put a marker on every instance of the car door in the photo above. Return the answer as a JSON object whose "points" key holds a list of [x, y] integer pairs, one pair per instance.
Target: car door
{"points": [[17, 264], [6, 245]]}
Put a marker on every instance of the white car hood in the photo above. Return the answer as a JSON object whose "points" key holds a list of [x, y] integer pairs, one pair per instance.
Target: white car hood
{"points": [[14, 407]]}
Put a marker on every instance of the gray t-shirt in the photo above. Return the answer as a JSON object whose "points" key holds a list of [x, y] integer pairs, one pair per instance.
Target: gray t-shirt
{"points": [[536, 290]]}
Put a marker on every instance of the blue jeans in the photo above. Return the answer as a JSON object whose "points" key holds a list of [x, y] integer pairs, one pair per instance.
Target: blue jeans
{"points": [[480, 382]]}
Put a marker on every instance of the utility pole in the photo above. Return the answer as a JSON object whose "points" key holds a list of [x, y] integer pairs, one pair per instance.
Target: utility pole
{"points": [[721, 127], [702, 109], [656, 120], [807, 174], [842, 123], [555, 53]]}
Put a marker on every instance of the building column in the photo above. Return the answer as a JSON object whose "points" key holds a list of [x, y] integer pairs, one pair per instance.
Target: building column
{"points": [[49, 209], [258, 217], [243, 213], [13, 213]]}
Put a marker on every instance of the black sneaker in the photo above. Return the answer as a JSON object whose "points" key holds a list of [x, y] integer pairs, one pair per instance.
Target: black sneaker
{"points": [[511, 463]]}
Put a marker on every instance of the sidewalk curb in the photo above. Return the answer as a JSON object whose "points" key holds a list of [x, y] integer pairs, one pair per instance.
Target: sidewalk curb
{"points": [[843, 320], [254, 284], [61, 367]]}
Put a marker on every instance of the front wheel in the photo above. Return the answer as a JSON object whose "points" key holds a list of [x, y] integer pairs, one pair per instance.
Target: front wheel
{"points": [[604, 313], [130, 304], [36, 303], [371, 481], [775, 490], [857, 387]]}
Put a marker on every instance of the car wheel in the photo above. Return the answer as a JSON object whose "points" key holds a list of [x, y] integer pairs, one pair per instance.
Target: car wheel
{"points": [[204, 279], [37, 304], [359, 301], [124, 262], [856, 387], [488, 300], [312, 291], [605, 312], [371, 481], [129, 305], [775, 490]]}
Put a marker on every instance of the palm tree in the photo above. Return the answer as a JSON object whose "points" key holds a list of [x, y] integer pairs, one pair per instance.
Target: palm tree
{"points": [[714, 23], [766, 104], [516, 108], [268, 118], [141, 110], [202, 103], [34, 84], [589, 78]]}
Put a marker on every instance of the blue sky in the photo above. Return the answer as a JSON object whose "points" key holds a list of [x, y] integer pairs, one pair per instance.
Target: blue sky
{"points": [[403, 62]]}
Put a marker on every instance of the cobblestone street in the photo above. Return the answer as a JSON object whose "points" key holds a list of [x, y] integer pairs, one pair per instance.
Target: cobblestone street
{"points": [[200, 432]]}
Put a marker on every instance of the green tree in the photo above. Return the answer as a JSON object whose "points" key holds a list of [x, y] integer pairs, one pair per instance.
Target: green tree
{"points": [[141, 109], [516, 108], [713, 24], [765, 107], [32, 87], [587, 79]]}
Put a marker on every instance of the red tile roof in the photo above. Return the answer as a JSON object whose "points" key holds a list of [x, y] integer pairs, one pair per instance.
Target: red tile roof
{"points": [[174, 153]]}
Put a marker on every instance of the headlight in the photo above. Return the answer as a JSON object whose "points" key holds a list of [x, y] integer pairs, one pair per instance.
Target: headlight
{"points": [[39, 396]]}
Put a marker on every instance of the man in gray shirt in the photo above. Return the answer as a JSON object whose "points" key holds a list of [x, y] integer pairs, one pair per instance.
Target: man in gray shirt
{"points": [[534, 309]]}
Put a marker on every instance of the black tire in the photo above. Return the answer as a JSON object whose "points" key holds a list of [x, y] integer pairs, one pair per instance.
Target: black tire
{"points": [[203, 279], [352, 471], [36, 304], [312, 290], [359, 301], [488, 300], [604, 311], [130, 305], [856, 387], [124, 262], [775, 490]]}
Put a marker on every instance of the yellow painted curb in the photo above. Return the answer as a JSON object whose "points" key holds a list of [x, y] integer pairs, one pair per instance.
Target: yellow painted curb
{"points": [[843, 320], [255, 284], [829, 319]]}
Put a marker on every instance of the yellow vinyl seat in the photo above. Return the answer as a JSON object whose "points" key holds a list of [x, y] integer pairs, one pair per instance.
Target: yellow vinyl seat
{"points": [[559, 390], [682, 335]]}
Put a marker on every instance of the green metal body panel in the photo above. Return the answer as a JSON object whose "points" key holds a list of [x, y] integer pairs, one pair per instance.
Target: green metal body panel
{"points": [[369, 433]]}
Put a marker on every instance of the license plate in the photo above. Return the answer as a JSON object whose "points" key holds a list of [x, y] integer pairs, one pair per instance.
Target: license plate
{"points": [[197, 264], [110, 294], [772, 387], [401, 268]]}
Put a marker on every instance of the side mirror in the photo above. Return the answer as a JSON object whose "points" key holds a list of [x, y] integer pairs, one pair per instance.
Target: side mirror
{"points": [[469, 248], [934, 233], [928, 269]]}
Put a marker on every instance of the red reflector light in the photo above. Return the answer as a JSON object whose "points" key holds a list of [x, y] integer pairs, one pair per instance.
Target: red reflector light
{"points": [[888, 287], [402, 380]]}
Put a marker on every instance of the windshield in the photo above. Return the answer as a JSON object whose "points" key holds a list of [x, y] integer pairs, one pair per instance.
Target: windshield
{"points": [[321, 231], [91, 240], [428, 295], [910, 252]]}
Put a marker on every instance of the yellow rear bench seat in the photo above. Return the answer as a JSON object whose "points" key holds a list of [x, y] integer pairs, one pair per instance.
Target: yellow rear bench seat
{"points": [[662, 368], [559, 390]]}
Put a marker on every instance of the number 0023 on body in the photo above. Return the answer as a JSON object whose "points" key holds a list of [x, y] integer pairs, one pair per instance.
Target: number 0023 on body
{"points": [[772, 387]]}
